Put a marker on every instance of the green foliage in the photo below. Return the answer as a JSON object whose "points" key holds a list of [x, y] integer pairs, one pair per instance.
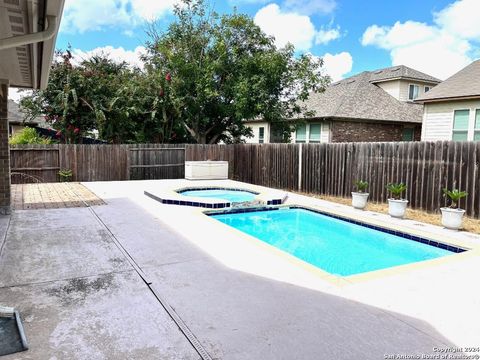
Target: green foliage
{"points": [[203, 77], [361, 185], [454, 195], [396, 190], [28, 135], [65, 175], [223, 69]]}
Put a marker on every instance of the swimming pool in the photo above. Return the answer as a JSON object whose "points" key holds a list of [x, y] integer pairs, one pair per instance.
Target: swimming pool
{"points": [[332, 244], [230, 195]]}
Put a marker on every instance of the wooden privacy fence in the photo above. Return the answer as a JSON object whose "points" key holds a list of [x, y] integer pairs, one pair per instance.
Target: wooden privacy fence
{"points": [[330, 169], [32, 163]]}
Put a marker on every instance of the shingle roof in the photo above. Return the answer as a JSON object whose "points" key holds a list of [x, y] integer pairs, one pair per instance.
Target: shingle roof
{"points": [[358, 98], [16, 116], [401, 72], [465, 83]]}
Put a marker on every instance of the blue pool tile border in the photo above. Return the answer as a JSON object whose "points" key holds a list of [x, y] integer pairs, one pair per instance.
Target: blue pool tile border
{"points": [[188, 203], [407, 236], [219, 205]]}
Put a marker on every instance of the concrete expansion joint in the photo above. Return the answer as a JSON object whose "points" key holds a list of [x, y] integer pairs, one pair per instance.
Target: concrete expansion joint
{"points": [[184, 329]]}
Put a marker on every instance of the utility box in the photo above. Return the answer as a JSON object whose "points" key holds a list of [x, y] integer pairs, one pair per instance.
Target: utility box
{"points": [[206, 170]]}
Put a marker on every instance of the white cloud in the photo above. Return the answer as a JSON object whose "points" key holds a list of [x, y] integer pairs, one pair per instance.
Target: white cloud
{"points": [[440, 49], [311, 7], [241, 2], [286, 27], [460, 18], [337, 65], [17, 94], [93, 15], [119, 54], [152, 9], [324, 36]]}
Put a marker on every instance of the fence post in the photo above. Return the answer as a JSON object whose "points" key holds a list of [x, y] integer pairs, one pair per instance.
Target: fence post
{"points": [[300, 167]]}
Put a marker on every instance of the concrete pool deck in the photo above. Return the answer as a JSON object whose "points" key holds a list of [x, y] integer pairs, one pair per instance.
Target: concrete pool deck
{"points": [[70, 274]]}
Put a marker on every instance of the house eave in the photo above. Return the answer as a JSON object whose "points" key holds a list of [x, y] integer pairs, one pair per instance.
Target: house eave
{"points": [[405, 78], [447, 98]]}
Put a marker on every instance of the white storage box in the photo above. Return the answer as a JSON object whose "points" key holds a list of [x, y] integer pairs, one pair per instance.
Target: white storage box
{"points": [[206, 170]]}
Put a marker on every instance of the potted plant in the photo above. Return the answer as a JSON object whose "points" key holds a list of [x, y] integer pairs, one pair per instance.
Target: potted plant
{"points": [[65, 175], [360, 197], [396, 205], [452, 216]]}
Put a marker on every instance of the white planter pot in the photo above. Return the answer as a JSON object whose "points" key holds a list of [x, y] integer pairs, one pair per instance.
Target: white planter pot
{"points": [[397, 208], [359, 200], [452, 218]]}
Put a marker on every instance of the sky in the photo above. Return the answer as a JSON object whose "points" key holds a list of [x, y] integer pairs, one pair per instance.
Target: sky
{"points": [[438, 37]]}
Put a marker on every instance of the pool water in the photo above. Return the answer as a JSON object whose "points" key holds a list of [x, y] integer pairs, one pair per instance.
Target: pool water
{"points": [[336, 246], [232, 196]]}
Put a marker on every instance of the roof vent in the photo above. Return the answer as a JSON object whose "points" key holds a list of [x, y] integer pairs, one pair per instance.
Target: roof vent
{"points": [[350, 81], [395, 69], [378, 72]]}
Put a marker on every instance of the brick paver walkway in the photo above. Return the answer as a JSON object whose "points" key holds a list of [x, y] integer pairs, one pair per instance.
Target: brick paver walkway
{"points": [[52, 196]]}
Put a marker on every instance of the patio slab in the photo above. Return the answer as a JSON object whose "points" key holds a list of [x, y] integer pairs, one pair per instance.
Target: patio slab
{"points": [[110, 316], [66, 248], [238, 315], [52, 196], [78, 295], [240, 301]]}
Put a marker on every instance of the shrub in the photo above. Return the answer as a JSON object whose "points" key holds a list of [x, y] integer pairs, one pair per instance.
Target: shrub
{"points": [[361, 185], [396, 190], [454, 195], [28, 135], [65, 175]]}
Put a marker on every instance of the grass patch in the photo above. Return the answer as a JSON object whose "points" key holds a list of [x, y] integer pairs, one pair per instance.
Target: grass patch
{"points": [[469, 224]]}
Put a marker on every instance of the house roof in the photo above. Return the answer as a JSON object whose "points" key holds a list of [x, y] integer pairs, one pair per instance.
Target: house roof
{"points": [[16, 116], [27, 35], [463, 84], [401, 72], [357, 97]]}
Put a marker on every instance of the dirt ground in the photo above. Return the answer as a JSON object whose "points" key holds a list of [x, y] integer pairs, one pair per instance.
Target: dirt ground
{"points": [[469, 224]]}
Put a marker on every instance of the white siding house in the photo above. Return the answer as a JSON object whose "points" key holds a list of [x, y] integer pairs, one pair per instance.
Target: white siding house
{"points": [[261, 133], [452, 109]]}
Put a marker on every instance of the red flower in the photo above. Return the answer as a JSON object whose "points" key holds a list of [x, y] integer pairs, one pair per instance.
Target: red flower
{"points": [[168, 77], [70, 127], [161, 92], [76, 130]]}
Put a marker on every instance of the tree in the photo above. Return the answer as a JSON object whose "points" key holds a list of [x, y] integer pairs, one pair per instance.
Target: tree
{"points": [[222, 70], [122, 103]]}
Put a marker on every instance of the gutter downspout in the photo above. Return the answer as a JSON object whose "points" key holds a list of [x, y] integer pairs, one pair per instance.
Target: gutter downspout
{"points": [[48, 33]]}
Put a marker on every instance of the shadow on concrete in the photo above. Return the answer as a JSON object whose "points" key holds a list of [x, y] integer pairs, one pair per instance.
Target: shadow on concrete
{"points": [[237, 315]]}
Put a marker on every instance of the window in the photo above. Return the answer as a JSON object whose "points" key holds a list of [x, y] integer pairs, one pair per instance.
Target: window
{"points": [[261, 135], [412, 92], [476, 133], [427, 89], [315, 132], [460, 125], [301, 134], [407, 134]]}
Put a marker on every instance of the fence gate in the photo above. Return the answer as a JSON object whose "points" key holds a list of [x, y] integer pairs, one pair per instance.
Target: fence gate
{"points": [[156, 161]]}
